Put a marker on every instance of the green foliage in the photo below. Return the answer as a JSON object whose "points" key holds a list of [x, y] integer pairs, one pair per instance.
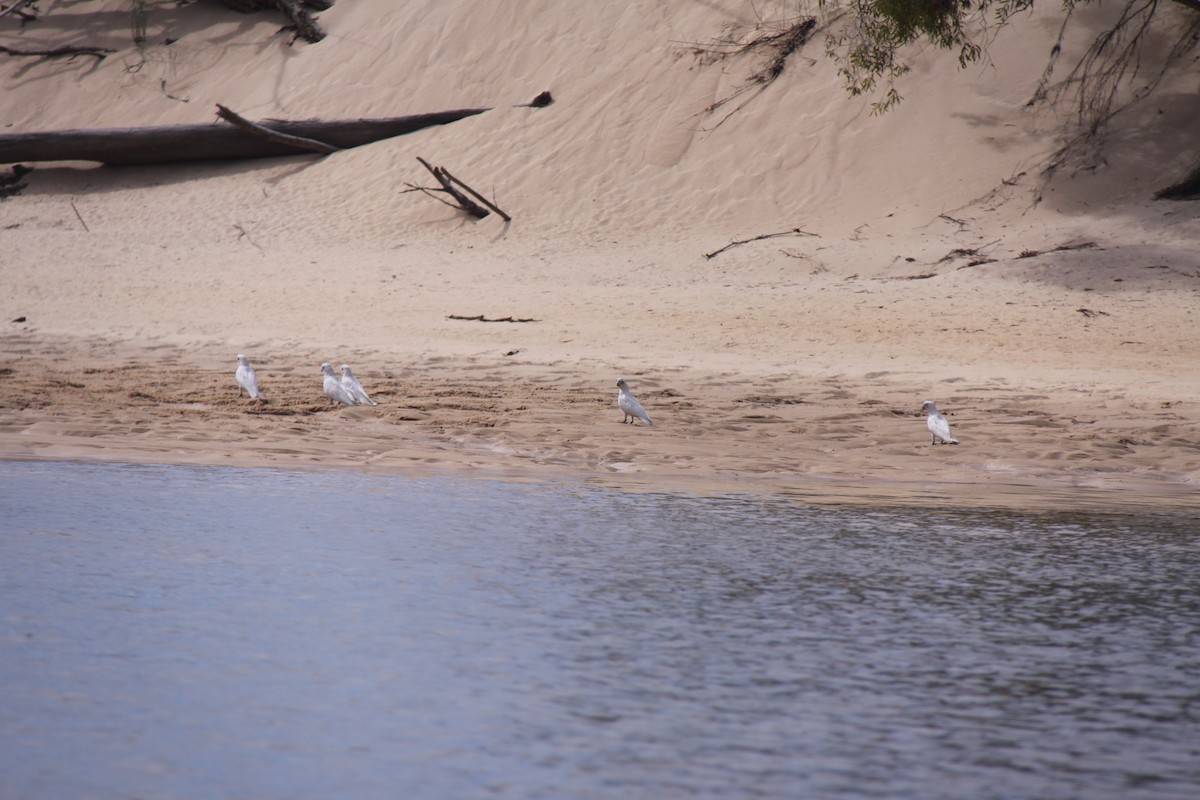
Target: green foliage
{"points": [[866, 47]]}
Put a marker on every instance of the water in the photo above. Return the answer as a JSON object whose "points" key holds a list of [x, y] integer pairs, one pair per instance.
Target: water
{"points": [[172, 632]]}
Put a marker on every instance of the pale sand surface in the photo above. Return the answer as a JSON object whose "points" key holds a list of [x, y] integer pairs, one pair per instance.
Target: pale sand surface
{"points": [[1068, 364]]}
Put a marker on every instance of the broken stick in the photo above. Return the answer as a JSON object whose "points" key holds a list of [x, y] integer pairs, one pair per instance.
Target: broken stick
{"points": [[793, 231], [482, 318], [464, 203], [99, 52], [274, 136]]}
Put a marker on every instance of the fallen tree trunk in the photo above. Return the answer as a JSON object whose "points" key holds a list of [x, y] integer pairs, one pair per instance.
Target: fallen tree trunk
{"points": [[273, 135], [172, 143]]}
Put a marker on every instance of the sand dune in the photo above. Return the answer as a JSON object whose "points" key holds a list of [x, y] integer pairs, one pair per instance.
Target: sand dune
{"points": [[1059, 336]]}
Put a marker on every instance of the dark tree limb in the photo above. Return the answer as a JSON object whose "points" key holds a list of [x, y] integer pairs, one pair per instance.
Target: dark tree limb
{"points": [[477, 195], [299, 18], [16, 7], [99, 52], [263, 131], [461, 201], [792, 232], [482, 318], [12, 184], [167, 144], [462, 197]]}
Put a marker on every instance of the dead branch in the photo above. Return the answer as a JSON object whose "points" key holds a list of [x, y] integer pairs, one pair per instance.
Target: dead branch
{"points": [[963, 252], [274, 136], [11, 184], [780, 41], [174, 143], [462, 197], [477, 195], [99, 52], [16, 7], [300, 20], [1059, 249], [461, 201], [792, 232], [482, 318]]}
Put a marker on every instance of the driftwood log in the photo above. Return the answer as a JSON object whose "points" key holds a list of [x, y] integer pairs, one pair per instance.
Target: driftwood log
{"points": [[173, 143], [271, 135]]}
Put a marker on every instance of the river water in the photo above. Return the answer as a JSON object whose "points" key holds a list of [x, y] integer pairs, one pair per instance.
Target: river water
{"points": [[177, 632]]}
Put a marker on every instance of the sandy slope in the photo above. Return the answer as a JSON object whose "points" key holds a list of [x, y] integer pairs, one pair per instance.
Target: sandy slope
{"points": [[1061, 337]]}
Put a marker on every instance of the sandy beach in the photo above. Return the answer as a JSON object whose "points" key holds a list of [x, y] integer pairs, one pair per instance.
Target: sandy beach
{"points": [[919, 255]]}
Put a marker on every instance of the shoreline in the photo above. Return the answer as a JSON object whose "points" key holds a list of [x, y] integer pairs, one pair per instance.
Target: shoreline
{"points": [[1026, 499], [845, 440]]}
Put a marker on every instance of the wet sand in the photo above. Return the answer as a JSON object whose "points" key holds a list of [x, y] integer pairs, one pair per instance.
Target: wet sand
{"points": [[852, 437]]}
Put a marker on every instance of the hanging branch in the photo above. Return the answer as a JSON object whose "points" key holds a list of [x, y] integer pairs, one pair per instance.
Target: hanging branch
{"points": [[779, 40]]}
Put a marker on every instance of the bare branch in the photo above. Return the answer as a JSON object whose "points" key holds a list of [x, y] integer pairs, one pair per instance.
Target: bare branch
{"points": [[274, 136], [792, 232], [463, 201], [99, 52], [15, 7]]}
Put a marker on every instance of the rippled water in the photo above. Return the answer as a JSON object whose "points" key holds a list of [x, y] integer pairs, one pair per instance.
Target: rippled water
{"points": [[177, 632]]}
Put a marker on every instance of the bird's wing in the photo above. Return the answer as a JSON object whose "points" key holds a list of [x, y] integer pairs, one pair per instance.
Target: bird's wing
{"points": [[248, 380], [635, 408], [358, 391], [334, 390]]}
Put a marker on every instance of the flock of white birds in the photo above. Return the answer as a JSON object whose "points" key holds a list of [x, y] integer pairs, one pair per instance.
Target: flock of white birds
{"points": [[347, 391]]}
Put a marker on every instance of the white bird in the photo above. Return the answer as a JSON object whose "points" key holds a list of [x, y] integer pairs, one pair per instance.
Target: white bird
{"points": [[937, 424], [247, 379], [334, 389], [354, 387], [629, 405]]}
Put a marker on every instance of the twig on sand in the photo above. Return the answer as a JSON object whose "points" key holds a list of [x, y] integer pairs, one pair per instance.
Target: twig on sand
{"points": [[99, 52], [461, 193], [80, 218], [1059, 249], [482, 318], [792, 232]]}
